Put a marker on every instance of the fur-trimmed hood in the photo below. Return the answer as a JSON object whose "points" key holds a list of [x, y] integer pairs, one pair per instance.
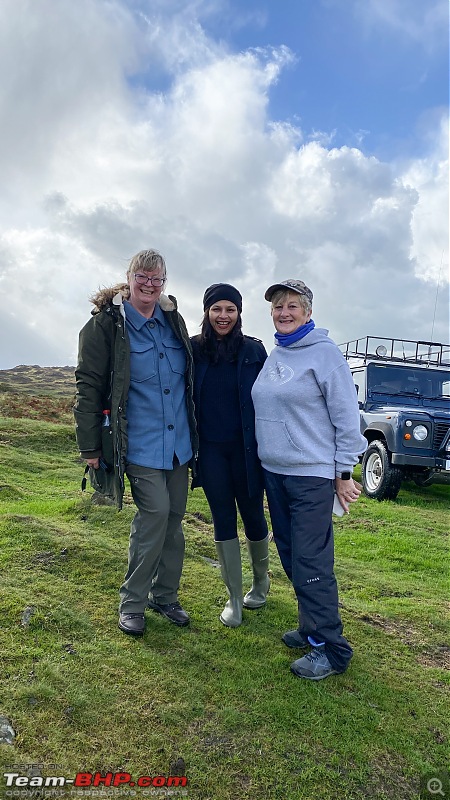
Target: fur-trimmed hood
{"points": [[115, 295]]}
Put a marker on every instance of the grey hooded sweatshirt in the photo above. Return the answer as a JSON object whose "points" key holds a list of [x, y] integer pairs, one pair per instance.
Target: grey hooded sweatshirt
{"points": [[306, 410]]}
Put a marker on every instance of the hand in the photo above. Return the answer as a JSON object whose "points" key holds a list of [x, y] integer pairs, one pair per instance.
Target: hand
{"points": [[92, 462], [347, 492]]}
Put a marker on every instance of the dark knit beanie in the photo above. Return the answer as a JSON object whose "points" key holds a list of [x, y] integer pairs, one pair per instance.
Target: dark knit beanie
{"points": [[222, 291]]}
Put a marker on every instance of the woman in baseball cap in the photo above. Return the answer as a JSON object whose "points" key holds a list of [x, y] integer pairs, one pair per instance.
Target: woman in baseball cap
{"points": [[227, 364], [307, 429]]}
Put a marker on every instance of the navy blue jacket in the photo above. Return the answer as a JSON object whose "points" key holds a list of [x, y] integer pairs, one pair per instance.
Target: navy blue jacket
{"points": [[251, 357]]}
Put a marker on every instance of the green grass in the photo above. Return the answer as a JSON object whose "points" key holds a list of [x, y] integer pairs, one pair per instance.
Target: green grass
{"points": [[82, 695]]}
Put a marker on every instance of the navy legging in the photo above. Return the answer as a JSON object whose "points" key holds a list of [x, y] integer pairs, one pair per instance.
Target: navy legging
{"points": [[224, 481]]}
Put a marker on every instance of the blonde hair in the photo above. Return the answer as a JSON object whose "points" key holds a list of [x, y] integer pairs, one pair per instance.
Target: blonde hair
{"points": [[283, 294], [147, 261]]}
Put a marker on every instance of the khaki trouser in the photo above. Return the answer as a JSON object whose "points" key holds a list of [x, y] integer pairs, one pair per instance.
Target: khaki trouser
{"points": [[156, 550]]}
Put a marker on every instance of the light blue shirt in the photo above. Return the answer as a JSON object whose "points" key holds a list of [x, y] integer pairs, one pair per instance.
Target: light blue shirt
{"points": [[158, 426]]}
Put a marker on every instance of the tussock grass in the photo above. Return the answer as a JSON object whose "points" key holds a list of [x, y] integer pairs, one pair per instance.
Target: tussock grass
{"points": [[222, 702]]}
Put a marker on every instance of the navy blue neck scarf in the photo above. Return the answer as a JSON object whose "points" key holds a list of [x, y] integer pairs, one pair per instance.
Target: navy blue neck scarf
{"points": [[285, 339]]}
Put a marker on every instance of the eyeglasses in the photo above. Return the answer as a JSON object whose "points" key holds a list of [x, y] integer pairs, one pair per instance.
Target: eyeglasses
{"points": [[144, 279]]}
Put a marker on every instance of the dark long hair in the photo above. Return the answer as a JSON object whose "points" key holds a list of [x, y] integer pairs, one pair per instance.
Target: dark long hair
{"points": [[226, 347]]}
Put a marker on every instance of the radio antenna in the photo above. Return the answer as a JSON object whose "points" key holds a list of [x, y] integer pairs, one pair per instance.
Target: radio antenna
{"points": [[437, 292]]}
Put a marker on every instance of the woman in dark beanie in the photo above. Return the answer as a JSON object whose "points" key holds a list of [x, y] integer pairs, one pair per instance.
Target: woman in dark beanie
{"points": [[227, 364]]}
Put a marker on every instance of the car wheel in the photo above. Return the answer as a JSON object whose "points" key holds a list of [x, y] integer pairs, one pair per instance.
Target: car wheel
{"points": [[380, 479]]}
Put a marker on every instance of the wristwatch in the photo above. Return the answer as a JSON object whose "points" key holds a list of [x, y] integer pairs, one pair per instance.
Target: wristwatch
{"points": [[344, 476]]}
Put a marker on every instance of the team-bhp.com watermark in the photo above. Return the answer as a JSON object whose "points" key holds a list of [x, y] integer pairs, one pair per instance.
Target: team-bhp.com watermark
{"points": [[92, 784], [121, 784]]}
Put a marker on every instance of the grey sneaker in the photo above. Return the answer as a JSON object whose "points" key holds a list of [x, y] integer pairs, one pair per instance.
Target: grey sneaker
{"points": [[295, 639], [314, 666]]}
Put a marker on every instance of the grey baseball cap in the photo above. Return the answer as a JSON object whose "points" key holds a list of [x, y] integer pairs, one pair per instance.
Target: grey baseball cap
{"points": [[292, 285]]}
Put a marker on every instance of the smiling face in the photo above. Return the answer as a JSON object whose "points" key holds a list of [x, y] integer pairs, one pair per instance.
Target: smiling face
{"points": [[223, 316], [144, 296], [290, 311]]}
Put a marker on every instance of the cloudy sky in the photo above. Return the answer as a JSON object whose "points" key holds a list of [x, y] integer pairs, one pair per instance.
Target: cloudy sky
{"points": [[247, 140]]}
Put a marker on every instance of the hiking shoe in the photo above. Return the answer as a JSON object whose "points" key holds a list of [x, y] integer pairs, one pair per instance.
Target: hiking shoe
{"points": [[173, 611], [133, 624], [314, 666], [294, 639]]}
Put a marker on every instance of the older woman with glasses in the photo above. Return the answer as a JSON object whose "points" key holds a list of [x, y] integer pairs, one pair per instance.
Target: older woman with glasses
{"points": [[308, 434], [135, 373]]}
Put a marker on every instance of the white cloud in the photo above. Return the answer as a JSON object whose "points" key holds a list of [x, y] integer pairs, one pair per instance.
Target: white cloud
{"points": [[324, 138], [430, 218], [96, 168]]}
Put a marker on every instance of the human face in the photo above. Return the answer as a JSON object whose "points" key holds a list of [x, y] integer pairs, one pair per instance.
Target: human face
{"points": [[223, 316], [144, 296], [289, 314]]}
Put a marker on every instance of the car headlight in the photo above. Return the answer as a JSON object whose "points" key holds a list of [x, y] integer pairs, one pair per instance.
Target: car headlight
{"points": [[420, 433]]}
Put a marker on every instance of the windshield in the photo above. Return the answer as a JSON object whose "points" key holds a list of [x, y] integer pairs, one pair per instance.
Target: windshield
{"points": [[430, 384]]}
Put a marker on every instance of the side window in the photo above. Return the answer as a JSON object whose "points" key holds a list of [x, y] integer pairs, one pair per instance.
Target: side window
{"points": [[359, 378], [446, 388]]}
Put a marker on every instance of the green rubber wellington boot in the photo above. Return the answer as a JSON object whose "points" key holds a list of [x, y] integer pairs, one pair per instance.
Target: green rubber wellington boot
{"points": [[259, 558], [229, 554]]}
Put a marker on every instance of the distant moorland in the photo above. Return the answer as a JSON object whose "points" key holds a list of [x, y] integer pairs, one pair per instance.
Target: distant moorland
{"points": [[38, 380], [35, 392]]}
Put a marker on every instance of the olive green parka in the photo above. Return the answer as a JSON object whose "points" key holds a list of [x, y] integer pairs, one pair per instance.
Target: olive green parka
{"points": [[103, 379]]}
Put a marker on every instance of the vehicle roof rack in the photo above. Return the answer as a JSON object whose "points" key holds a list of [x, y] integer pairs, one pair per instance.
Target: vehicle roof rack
{"points": [[381, 348]]}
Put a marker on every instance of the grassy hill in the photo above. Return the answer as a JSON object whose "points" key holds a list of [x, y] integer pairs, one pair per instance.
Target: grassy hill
{"points": [[217, 705], [56, 381], [35, 392]]}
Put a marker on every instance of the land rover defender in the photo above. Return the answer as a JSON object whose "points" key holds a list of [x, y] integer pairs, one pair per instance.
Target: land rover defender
{"points": [[403, 389]]}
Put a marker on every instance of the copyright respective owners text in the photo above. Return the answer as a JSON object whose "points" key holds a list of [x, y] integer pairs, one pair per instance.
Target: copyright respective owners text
{"points": [[435, 785], [36, 780]]}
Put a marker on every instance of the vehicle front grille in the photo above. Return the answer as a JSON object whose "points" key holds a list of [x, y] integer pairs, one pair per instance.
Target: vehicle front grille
{"points": [[440, 429]]}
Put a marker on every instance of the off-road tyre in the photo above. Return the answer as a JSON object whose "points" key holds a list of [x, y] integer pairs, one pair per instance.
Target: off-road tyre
{"points": [[380, 479]]}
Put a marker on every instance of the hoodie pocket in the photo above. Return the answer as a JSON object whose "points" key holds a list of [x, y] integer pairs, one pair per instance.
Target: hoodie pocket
{"points": [[275, 443]]}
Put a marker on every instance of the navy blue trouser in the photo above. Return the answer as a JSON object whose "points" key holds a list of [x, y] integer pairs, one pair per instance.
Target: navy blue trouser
{"points": [[224, 481], [300, 510]]}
